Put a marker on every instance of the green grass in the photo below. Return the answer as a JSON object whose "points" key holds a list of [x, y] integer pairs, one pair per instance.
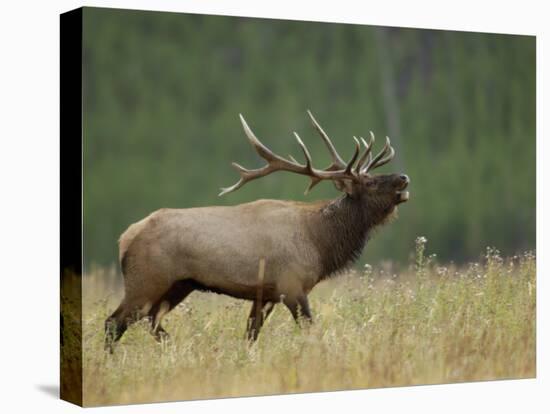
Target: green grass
{"points": [[424, 325]]}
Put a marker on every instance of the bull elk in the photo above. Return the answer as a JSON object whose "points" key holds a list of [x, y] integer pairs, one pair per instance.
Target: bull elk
{"points": [[173, 252]]}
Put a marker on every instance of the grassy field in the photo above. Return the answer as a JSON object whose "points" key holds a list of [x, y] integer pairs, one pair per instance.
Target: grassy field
{"points": [[380, 327]]}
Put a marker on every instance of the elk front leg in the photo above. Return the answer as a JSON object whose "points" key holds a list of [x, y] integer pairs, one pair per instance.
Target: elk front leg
{"points": [[254, 324], [299, 308]]}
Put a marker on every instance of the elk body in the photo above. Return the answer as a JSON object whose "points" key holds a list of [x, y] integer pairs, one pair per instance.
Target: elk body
{"points": [[173, 252]]}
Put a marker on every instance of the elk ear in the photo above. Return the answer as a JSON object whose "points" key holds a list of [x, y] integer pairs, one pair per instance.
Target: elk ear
{"points": [[344, 185]]}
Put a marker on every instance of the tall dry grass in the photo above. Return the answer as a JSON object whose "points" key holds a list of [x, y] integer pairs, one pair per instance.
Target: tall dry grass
{"points": [[423, 325]]}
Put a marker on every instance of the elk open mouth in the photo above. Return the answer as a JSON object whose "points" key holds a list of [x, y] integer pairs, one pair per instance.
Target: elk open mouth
{"points": [[402, 195]]}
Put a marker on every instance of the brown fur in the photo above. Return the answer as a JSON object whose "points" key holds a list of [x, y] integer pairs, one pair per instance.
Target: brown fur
{"points": [[170, 253]]}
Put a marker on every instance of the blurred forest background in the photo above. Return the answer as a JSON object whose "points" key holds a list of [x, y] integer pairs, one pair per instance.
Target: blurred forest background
{"points": [[162, 94]]}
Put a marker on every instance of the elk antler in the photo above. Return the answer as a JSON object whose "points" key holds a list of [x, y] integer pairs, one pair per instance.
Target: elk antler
{"points": [[337, 162], [367, 156], [383, 157], [337, 170], [277, 163]]}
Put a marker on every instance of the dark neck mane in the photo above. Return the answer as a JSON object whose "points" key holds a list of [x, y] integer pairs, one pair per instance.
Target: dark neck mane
{"points": [[340, 231]]}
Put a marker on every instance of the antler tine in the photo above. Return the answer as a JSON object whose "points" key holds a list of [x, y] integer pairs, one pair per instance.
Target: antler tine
{"points": [[386, 159], [349, 165], [243, 180], [314, 180], [260, 148], [313, 183], [336, 159], [367, 154], [372, 139], [379, 159], [305, 151], [274, 162], [291, 158], [348, 170]]}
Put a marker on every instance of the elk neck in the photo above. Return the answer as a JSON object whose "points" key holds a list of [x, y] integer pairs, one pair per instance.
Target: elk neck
{"points": [[340, 229]]}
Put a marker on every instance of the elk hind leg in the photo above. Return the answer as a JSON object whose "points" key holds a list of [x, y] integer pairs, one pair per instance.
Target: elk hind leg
{"points": [[116, 325], [299, 308], [168, 301]]}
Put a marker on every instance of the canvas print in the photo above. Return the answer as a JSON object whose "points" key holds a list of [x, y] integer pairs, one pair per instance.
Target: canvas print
{"points": [[258, 206]]}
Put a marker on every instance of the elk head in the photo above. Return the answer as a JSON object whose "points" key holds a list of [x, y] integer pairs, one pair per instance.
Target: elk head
{"points": [[383, 191]]}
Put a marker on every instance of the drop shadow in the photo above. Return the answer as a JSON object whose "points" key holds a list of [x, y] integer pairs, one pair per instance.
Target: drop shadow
{"points": [[49, 389]]}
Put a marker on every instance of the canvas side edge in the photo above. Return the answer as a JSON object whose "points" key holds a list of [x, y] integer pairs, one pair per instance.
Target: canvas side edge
{"points": [[71, 25]]}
